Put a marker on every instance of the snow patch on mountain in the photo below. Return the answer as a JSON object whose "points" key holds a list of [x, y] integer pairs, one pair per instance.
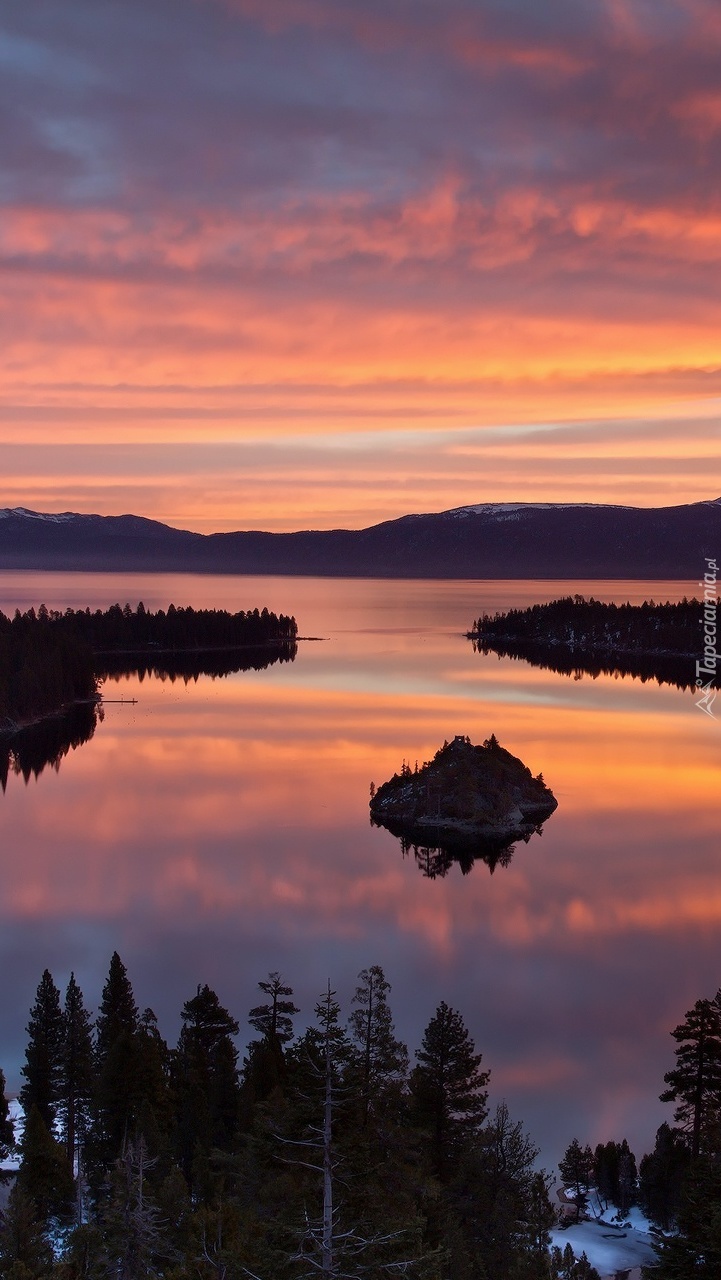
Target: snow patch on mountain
{"points": [[514, 510], [61, 518]]}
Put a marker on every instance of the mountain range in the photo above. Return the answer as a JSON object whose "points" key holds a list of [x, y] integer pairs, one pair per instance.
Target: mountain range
{"points": [[491, 540]]}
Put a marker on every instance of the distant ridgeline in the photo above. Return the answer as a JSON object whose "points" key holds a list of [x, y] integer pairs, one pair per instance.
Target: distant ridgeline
{"points": [[574, 636], [50, 661]]}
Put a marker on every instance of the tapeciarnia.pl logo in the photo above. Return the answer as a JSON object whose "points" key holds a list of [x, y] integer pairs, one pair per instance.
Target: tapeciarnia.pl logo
{"points": [[706, 669]]}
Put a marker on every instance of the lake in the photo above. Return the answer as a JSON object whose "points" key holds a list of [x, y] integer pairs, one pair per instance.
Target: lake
{"points": [[219, 829]]}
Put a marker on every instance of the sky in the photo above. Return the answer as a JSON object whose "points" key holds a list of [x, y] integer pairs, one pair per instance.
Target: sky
{"points": [[318, 263]]}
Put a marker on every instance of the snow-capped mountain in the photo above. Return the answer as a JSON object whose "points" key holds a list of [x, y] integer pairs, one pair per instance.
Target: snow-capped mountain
{"points": [[487, 540]]}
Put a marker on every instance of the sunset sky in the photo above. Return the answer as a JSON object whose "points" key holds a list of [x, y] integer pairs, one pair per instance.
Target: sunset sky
{"points": [[318, 263]]}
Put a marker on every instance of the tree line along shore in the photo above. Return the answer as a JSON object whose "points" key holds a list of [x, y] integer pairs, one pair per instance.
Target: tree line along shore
{"points": [[51, 660], [575, 635], [325, 1153]]}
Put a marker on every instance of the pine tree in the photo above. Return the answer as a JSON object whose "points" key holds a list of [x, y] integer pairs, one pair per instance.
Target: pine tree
{"points": [[115, 1101], [491, 1201], [695, 1083], [206, 1081], [7, 1133], [118, 1014], [566, 1266], [341, 1239], [76, 1086], [627, 1178], [448, 1088], [132, 1229], [45, 1174], [155, 1111], [25, 1251], [661, 1177], [693, 1251], [44, 1053], [576, 1170], [383, 1058], [274, 1021]]}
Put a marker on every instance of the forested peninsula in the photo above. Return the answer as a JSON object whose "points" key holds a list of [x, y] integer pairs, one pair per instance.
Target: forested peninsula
{"points": [[576, 636], [50, 661]]}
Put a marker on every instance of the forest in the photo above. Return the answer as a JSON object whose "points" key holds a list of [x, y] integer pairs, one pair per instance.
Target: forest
{"points": [[577, 636], [51, 660], [320, 1154]]}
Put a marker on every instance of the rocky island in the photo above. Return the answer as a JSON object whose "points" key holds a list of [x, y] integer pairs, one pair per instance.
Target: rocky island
{"points": [[467, 798]]}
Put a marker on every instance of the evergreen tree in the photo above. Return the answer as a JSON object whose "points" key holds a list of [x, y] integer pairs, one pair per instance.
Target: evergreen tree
{"points": [[627, 1178], [118, 1014], [116, 1101], [493, 1205], [448, 1088], [132, 1229], [76, 1085], [540, 1220], [576, 1170], [155, 1115], [693, 1251], [44, 1053], [695, 1083], [615, 1174], [605, 1172], [45, 1174], [274, 1020], [264, 1067], [326, 1152], [661, 1177], [25, 1251], [383, 1058], [7, 1134], [566, 1266], [206, 1081]]}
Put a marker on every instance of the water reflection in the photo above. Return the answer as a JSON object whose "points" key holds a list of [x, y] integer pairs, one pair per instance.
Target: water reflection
{"points": [[661, 668], [217, 830], [191, 666], [434, 861], [27, 752]]}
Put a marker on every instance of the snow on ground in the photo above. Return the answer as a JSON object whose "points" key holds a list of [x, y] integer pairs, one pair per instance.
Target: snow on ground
{"points": [[15, 1113], [610, 1248]]}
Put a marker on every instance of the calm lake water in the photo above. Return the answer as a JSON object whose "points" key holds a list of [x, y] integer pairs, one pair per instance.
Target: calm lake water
{"points": [[218, 830]]}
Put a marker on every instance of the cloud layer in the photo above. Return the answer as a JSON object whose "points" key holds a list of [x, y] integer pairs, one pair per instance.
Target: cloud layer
{"points": [[247, 222]]}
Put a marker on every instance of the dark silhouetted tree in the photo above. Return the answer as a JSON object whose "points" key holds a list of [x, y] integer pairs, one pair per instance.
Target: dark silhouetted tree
{"points": [[45, 1174], [7, 1129], [118, 1013], [206, 1080], [76, 1085], [576, 1169], [25, 1250], [661, 1176], [448, 1088], [693, 1250], [274, 1020], [116, 1094], [132, 1228], [695, 1082], [44, 1052], [383, 1059]]}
